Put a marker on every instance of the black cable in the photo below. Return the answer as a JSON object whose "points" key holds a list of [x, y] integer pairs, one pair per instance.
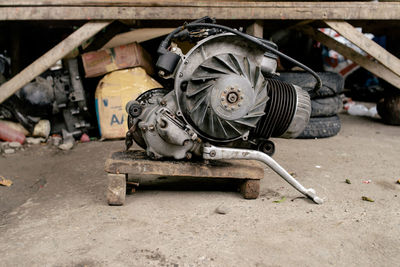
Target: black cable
{"points": [[165, 43]]}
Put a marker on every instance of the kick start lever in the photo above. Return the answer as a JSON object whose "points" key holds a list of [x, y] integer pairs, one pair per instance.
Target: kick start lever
{"points": [[213, 152]]}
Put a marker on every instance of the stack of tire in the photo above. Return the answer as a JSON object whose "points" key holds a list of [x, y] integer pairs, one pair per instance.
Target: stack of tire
{"points": [[325, 104]]}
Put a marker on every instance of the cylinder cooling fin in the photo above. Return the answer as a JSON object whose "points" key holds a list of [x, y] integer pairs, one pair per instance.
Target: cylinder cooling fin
{"points": [[223, 95], [287, 111]]}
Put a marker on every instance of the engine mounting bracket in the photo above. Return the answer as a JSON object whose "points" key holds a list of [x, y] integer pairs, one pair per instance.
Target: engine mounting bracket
{"points": [[213, 152]]}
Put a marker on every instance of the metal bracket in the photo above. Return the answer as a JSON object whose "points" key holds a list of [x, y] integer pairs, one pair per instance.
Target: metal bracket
{"points": [[213, 152]]}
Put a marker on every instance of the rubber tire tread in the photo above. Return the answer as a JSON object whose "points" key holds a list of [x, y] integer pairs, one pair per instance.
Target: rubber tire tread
{"points": [[326, 107], [332, 83], [321, 127]]}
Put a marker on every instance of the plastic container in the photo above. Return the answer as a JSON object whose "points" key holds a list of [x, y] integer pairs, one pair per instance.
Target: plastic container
{"points": [[9, 134], [361, 110], [42, 129], [113, 92], [358, 110]]}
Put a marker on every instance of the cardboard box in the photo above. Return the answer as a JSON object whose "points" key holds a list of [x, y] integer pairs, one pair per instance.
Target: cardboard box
{"points": [[104, 61]]}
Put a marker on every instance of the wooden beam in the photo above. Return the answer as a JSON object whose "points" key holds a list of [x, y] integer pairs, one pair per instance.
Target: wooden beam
{"points": [[105, 2], [138, 35], [188, 10], [48, 59], [103, 37], [375, 50], [191, 3], [256, 29], [370, 65]]}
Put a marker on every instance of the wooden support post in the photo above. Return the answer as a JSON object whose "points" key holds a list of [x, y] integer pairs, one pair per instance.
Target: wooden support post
{"points": [[116, 190], [376, 51], [15, 52], [256, 29], [48, 59], [374, 67]]}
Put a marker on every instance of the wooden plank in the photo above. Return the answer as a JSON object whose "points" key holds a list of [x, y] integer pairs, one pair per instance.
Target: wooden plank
{"points": [[48, 59], [256, 29], [103, 37], [375, 50], [370, 65], [190, 10], [137, 164], [105, 2], [138, 35], [191, 3]]}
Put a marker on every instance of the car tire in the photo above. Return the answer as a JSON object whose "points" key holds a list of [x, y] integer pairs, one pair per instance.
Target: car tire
{"points": [[326, 107], [321, 127], [332, 83]]}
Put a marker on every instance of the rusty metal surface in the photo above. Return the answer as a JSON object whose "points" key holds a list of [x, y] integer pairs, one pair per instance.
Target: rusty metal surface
{"points": [[136, 163]]}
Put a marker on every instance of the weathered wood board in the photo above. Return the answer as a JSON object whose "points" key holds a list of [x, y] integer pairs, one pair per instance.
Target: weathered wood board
{"points": [[365, 62], [369, 46], [137, 35], [136, 163], [189, 10]]}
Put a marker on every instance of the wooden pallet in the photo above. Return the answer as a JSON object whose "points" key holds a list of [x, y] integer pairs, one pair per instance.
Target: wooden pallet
{"points": [[139, 166]]}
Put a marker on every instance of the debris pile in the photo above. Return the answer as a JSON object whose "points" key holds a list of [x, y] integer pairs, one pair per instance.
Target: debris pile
{"points": [[59, 107]]}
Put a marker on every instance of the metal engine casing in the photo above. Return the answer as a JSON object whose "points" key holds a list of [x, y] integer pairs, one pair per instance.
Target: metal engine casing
{"points": [[224, 93]]}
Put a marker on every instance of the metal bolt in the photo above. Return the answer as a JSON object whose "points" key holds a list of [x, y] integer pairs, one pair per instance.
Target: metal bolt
{"points": [[162, 124], [212, 153], [163, 103], [225, 106], [222, 99], [180, 74], [151, 127], [238, 90], [186, 62], [232, 97], [241, 97], [188, 155], [161, 73], [239, 105]]}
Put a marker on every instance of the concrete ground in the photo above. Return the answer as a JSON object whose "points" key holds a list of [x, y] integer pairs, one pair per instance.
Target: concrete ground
{"points": [[55, 213]]}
